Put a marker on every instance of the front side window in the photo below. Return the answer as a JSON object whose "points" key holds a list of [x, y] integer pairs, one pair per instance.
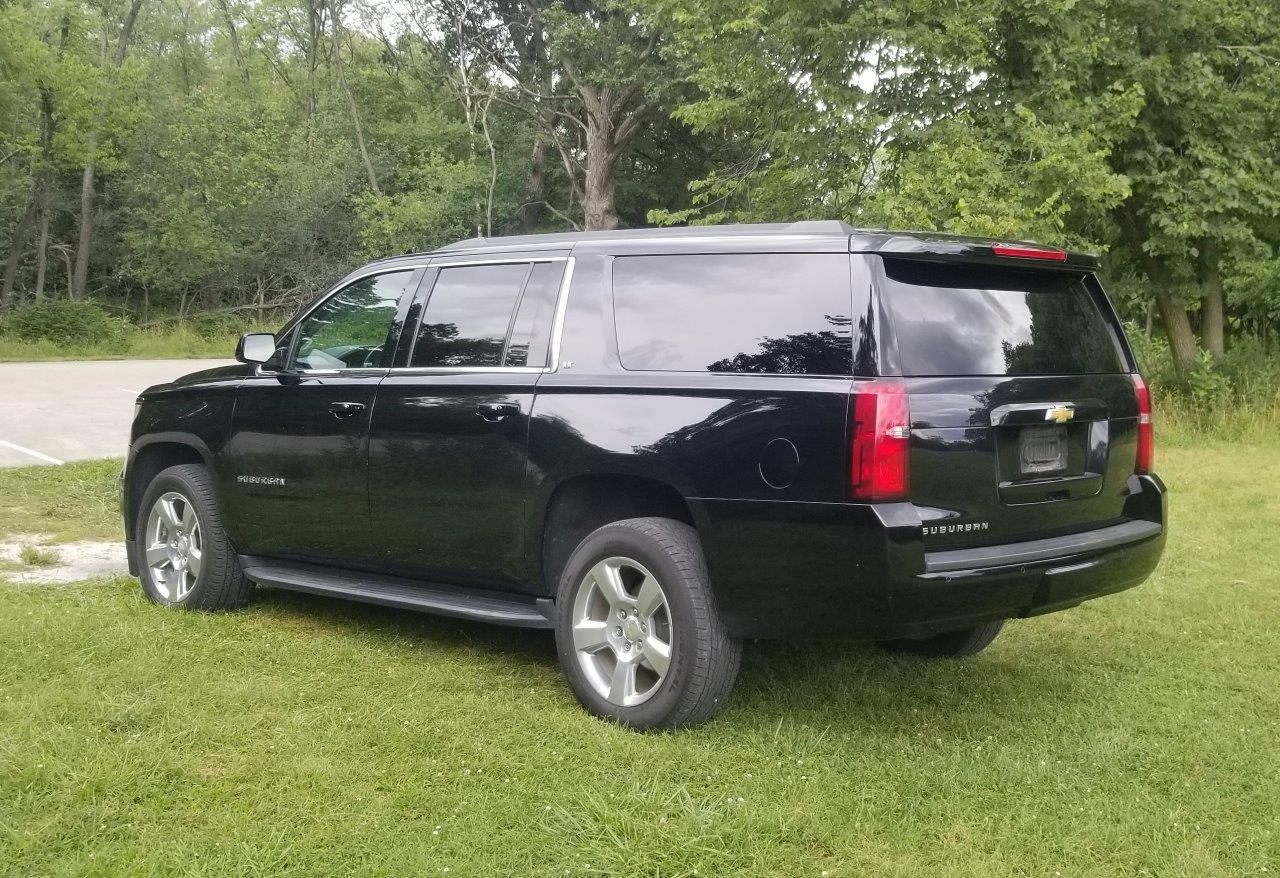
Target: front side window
{"points": [[350, 330], [468, 315], [772, 313]]}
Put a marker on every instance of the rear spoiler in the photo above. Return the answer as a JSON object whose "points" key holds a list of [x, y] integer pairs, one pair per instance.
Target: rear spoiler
{"points": [[944, 248]]}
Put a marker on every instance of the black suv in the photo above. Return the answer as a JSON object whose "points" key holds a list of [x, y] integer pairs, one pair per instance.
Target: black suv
{"points": [[663, 442]]}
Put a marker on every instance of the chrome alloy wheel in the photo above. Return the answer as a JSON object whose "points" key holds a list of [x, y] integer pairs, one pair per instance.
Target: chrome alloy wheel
{"points": [[174, 549], [622, 631]]}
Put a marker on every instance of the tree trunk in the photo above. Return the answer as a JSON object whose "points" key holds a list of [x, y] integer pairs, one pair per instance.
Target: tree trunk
{"points": [[1212, 321], [234, 34], [535, 195], [80, 275], [351, 101], [15, 252], [46, 181], [599, 184], [1177, 328], [45, 188], [314, 15], [42, 240], [1173, 316]]}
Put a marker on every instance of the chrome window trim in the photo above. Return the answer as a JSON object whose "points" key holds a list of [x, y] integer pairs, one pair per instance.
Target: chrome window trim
{"points": [[557, 320], [453, 370], [506, 260]]}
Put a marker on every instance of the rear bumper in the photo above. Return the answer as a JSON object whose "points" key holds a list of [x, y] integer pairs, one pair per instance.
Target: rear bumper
{"points": [[1087, 565], [862, 572]]}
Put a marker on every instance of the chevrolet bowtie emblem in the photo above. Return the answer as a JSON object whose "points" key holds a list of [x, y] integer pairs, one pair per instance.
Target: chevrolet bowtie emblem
{"points": [[1060, 414]]}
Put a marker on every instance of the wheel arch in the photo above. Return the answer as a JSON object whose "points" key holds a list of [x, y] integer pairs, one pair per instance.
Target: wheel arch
{"points": [[579, 504], [150, 456]]}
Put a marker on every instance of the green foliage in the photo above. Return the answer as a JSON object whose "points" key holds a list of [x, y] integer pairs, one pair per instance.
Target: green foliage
{"points": [[64, 322]]}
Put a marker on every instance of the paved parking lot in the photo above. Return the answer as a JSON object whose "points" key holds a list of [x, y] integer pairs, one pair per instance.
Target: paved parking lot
{"points": [[54, 412]]}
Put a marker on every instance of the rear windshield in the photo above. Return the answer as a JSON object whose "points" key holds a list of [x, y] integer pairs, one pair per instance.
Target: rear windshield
{"points": [[781, 313], [977, 320]]}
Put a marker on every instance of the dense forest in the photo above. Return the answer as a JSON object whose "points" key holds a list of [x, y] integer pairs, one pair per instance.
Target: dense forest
{"points": [[174, 158]]}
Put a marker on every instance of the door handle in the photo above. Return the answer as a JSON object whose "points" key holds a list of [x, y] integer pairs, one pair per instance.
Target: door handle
{"points": [[496, 411], [345, 409]]}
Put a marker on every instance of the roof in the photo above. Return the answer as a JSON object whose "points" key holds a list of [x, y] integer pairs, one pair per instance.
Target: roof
{"points": [[803, 228], [801, 236]]}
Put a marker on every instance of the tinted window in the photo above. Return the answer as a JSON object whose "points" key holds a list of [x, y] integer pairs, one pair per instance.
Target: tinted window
{"points": [[531, 332], [978, 320], [468, 314], [349, 331], [774, 313]]}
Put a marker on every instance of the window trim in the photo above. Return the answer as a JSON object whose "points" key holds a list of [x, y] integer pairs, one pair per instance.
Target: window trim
{"points": [[557, 319]]}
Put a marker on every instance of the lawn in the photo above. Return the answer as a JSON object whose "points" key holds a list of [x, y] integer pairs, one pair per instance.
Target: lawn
{"points": [[1136, 735], [171, 343]]}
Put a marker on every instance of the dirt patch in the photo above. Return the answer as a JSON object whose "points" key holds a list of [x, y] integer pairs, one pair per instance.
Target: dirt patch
{"points": [[84, 559]]}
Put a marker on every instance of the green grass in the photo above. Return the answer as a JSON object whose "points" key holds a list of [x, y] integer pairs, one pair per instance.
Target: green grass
{"points": [[72, 502], [176, 342], [38, 556], [1135, 735]]}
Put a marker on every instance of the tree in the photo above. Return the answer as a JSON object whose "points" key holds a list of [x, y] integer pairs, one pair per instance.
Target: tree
{"points": [[123, 33], [1143, 125]]}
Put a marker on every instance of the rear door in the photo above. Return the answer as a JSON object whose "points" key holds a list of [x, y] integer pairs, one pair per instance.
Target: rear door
{"points": [[449, 433], [1023, 409]]}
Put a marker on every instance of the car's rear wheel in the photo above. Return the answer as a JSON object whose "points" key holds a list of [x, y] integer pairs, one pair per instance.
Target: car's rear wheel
{"points": [[637, 629], [185, 557], [949, 644]]}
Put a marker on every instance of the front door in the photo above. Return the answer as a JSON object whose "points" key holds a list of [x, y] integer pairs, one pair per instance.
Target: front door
{"points": [[298, 452], [449, 433]]}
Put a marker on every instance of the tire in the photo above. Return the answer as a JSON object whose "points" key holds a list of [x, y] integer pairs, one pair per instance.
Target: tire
{"points": [[949, 644], [211, 578], [701, 658]]}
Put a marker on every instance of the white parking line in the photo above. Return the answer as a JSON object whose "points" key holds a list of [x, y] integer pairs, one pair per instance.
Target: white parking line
{"points": [[128, 390], [36, 454]]}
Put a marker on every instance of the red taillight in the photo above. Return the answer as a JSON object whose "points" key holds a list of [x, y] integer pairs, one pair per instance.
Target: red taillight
{"points": [[1023, 251], [1145, 459], [881, 438]]}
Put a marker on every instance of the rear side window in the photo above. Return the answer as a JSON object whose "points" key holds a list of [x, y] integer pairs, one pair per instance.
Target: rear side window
{"points": [[978, 320], [468, 315], [531, 332], [770, 313]]}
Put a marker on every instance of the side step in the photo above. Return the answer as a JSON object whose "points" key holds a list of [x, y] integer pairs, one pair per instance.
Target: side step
{"points": [[483, 605]]}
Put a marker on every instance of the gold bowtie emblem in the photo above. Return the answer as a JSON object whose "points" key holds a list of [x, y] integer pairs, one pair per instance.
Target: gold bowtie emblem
{"points": [[1060, 414]]}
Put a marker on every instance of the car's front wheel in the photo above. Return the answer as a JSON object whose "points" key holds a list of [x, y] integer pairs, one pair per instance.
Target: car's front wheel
{"points": [[638, 632], [185, 557]]}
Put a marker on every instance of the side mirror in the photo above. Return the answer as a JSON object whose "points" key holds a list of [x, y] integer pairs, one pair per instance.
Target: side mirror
{"points": [[256, 347]]}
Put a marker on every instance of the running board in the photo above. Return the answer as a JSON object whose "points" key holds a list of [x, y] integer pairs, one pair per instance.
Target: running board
{"points": [[482, 605]]}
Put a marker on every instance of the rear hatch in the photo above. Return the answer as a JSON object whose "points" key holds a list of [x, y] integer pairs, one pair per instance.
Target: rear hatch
{"points": [[1022, 400]]}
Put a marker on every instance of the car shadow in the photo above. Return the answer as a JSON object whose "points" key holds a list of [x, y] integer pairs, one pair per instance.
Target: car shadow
{"points": [[821, 684]]}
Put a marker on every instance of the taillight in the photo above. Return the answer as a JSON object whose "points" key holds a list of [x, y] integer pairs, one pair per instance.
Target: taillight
{"points": [[881, 439], [1026, 251], [1146, 457]]}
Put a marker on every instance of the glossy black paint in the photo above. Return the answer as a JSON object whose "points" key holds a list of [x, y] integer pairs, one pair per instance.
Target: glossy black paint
{"points": [[446, 471], [446, 477]]}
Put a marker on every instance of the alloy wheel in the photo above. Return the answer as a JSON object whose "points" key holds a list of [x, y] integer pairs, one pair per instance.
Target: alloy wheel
{"points": [[622, 631], [174, 548]]}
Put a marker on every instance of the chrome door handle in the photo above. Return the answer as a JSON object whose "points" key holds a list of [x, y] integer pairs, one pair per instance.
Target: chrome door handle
{"points": [[496, 411], [345, 409]]}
